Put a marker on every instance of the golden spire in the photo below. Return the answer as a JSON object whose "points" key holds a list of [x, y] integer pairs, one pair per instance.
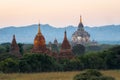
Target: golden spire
{"points": [[39, 28], [80, 19]]}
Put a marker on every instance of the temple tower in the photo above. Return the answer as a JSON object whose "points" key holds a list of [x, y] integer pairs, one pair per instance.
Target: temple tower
{"points": [[39, 43], [80, 36], [14, 50], [66, 51], [56, 42]]}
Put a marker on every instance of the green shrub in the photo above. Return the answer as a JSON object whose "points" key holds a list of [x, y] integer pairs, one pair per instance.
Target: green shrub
{"points": [[9, 65], [91, 74]]}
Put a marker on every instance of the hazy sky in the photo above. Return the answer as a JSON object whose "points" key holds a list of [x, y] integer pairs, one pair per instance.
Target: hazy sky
{"points": [[59, 13]]}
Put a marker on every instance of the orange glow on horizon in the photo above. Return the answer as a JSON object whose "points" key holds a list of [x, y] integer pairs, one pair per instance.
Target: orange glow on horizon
{"points": [[59, 13]]}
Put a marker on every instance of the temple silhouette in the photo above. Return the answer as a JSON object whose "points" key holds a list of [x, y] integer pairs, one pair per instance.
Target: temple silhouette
{"points": [[66, 49], [39, 47], [14, 49], [39, 43], [80, 36]]}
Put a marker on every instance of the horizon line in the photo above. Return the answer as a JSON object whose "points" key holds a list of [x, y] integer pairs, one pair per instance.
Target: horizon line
{"points": [[16, 26]]}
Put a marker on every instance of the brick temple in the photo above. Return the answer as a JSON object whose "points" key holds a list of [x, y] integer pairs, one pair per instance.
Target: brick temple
{"points": [[14, 49], [40, 44], [66, 50], [39, 47]]}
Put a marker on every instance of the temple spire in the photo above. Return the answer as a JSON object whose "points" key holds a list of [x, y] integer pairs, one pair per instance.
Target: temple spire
{"points": [[80, 19], [65, 34], [14, 49], [14, 36], [39, 28], [14, 40]]}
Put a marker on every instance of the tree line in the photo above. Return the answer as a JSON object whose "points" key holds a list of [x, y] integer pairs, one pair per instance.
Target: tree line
{"points": [[108, 59]]}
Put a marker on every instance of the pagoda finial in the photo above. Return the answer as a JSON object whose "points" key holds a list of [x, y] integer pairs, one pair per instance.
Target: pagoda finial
{"points": [[38, 27], [14, 36], [14, 40], [80, 19], [65, 33]]}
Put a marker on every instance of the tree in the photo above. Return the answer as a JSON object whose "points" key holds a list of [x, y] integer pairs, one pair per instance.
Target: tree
{"points": [[92, 74], [6, 46], [9, 65], [4, 56], [37, 63], [24, 66], [2, 49], [78, 49], [112, 58], [21, 48]]}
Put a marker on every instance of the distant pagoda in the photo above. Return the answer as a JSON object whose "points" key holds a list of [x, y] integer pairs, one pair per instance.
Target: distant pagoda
{"points": [[14, 49], [66, 51], [39, 43], [55, 42], [80, 36]]}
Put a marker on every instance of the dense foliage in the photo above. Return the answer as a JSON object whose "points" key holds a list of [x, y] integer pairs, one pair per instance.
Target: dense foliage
{"points": [[108, 59], [9, 65], [78, 49], [92, 74]]}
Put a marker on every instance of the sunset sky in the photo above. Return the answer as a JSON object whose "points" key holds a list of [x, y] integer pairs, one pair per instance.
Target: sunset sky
{"points": [[59, 13]]}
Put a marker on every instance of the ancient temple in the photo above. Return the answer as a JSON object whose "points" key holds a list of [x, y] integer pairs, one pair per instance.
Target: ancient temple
{"points": [[39, 43], [50, 45], [55, 42], [66, 51], [55, 46], [80, 36], [14, 49]]}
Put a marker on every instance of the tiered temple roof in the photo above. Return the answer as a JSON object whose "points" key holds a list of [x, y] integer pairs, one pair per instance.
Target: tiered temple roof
{"points": [[14, 50], [66, 51], [80, 36], [39, 43]]}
